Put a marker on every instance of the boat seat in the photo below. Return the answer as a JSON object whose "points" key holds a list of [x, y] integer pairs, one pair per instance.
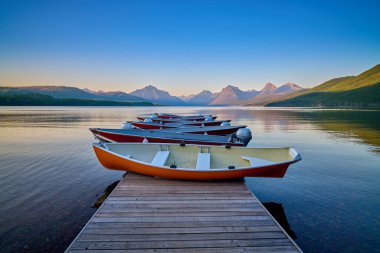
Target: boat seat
{"points": [[257, 162], [160, 158], [203, 161]]}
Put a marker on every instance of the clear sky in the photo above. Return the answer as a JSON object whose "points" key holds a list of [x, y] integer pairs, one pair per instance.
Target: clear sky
{"points": [[185, 46]]}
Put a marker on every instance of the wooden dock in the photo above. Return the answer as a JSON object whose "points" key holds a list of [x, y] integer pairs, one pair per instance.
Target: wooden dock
{"points": [[145, 214]]}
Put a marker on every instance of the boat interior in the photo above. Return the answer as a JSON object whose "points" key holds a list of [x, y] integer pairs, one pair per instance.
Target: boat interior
{"points": [[202, 157]]}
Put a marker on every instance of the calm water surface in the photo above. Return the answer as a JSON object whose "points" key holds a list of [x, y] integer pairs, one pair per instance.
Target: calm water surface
{"points": [[50, 177]]}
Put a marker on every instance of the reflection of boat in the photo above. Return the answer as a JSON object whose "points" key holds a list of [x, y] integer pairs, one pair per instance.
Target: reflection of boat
{"points": [[213, 130], [191, 162], [141, 135]]}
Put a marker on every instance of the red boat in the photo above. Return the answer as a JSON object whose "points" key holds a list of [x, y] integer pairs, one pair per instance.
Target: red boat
{"points": [[140, 135], [160, 125], [212, 130], [155, 125], [176, 116], [184, 122], [165, 117]]}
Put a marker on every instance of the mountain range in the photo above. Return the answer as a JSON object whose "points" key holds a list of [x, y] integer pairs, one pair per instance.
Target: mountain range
{"points": [[362, 90], [202, 98], [230, 95], [71, 92], [157, 96], [271, 93]]}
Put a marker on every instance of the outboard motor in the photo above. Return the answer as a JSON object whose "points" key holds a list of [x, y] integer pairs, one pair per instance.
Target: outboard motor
{"points": [[126, 125], [148, 120], [244, 135], [208, 118], [225, 123]]}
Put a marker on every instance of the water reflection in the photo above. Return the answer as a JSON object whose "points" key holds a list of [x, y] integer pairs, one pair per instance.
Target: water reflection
{"points": [[278, 212], [52, 118], [51, 176], [269, 119], [360, 126]]}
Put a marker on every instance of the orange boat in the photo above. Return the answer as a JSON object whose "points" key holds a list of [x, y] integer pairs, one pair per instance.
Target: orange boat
{"points": [[193, 162]]}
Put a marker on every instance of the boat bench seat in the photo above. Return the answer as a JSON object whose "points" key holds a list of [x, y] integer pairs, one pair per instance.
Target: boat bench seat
{"points": [[257, 162], [160, 158], [203, 161]]}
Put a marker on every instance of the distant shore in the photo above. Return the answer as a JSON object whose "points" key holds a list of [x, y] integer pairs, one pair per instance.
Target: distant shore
{"points": [[45, 100]]}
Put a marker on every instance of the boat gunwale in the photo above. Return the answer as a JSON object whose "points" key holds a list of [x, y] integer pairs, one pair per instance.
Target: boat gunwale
{"points": [[181, 121], [185, 127], [176, 117], [212, 143], [168, 138]]}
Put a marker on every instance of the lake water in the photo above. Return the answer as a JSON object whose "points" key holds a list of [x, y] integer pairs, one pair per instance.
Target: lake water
{"points": [[50, 177]]}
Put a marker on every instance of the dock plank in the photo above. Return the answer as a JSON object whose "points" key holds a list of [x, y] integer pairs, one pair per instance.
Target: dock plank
{"points": [[179, 244], [181, 236], [146, 214], [273, 249], [94, 229]]}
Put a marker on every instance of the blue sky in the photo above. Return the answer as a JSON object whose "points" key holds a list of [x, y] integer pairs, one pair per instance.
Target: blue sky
{"points": [[185, 46]]}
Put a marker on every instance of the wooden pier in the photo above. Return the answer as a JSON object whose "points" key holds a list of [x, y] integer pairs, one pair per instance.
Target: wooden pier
{"points": [[145, 214]]}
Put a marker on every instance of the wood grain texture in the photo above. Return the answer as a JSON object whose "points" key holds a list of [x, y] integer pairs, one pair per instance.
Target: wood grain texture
{"points": [[146, 214]]}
